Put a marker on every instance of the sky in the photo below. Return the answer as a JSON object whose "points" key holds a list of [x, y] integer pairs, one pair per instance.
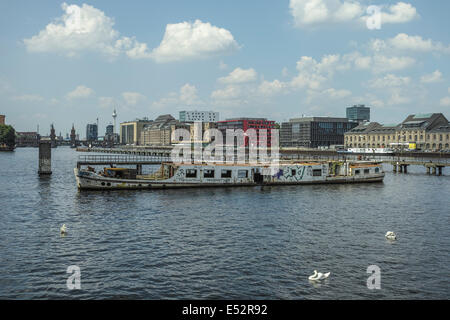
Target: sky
{"points": [[73, 62]]}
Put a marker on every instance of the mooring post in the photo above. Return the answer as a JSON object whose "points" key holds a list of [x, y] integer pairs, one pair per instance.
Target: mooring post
{"points": [[440, 171], [401, 168], [406, 168], [45, 157]]}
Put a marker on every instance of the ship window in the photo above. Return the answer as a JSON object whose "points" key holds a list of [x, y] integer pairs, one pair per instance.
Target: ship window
{"points": [[208, 174], [191, 173], [242, 174], [317, 172], [357, 172], [377, 170], [366, 171], [226, 174]]}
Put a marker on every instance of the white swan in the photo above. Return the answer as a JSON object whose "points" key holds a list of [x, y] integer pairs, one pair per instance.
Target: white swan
{"points": [[63, 229], [391, 235], [318, 276]]}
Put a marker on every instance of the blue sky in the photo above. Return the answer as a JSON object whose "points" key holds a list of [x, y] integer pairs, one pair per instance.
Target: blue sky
{"points": [[73, 62]]}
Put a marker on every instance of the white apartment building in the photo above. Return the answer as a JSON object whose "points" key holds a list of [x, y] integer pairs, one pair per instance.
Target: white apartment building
{"points": [[203, 116]]}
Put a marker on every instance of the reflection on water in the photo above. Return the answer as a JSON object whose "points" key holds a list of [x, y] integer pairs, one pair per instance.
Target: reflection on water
{"points": [[229, 243]]}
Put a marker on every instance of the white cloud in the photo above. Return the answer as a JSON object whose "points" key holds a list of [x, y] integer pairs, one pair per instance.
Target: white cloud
{"points": [[337, 94], [239, 75], [381, 63], [312, 74], [399, 13], [308, 11], [405, 42], [348, 11], [86, 28], [133, 98], [79, 29], [228, 93], [80, 92], [389, 81], [434, 77], [416, 43], [314, 12], [188, 40], [398, 98], [445, 102], [187, 96], [274, 87], [28, 98]]}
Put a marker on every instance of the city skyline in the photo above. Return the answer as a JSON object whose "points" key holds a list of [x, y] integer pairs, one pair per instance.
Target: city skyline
{"points": [[75, 62]]}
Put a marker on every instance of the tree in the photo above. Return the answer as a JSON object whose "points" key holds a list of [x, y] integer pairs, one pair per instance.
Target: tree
{"points": [[7, 135]]}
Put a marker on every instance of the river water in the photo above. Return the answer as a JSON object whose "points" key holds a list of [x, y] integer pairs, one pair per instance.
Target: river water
{"points": [[222, 243]]}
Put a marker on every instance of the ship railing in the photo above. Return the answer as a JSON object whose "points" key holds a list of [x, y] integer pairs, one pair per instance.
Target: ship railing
{"points": [[121, 159]]}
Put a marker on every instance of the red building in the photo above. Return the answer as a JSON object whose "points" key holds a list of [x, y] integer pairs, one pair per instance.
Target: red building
{"points": [[249, 123]]}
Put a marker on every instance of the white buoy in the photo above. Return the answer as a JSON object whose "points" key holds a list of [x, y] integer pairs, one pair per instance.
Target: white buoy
{"points": [[63, 230], [391, 235]]}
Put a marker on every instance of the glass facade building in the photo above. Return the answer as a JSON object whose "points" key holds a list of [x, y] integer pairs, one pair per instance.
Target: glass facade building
{"points": [[313, 132], [91, 132], [358, 113]]}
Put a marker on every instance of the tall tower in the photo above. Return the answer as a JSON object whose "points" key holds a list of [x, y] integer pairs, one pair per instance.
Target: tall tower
{"points": [[114, 115], [73, 137], [53, 136]]}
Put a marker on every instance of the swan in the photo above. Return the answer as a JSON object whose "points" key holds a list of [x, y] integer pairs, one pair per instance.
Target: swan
{"points": [[319, 276], [391, 235], [63, 229]]}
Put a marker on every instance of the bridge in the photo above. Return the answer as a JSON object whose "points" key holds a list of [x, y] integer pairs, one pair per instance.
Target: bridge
{"points": [[434, 162]]}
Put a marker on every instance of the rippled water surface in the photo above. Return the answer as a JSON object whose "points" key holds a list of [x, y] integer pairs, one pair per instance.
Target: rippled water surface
{"points": [[223, 243]]}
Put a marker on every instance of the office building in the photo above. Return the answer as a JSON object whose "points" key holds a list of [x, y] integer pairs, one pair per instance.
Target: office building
{"points": [[159, 132], [249, 123], [314, 132], [92, 132], [130, 132], [358, 113]]}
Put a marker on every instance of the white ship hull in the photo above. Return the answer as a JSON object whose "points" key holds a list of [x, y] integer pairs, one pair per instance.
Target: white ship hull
{"points": [[191, 175]]}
